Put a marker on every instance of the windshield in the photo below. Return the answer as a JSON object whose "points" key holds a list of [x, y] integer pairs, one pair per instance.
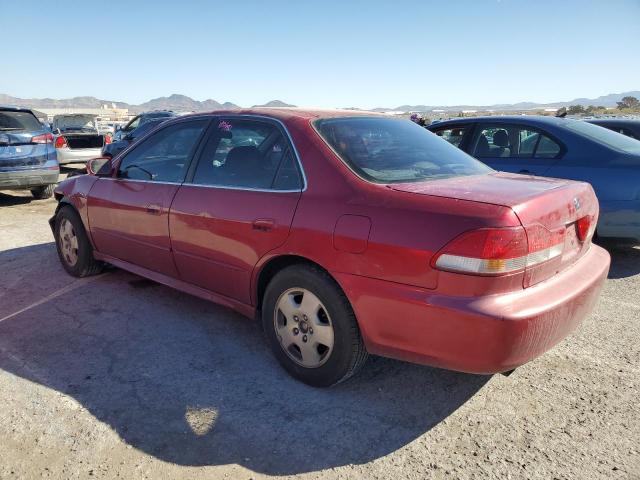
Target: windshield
{"points": [[75, 122], [18, 121], [387, 150], [605, 136]]}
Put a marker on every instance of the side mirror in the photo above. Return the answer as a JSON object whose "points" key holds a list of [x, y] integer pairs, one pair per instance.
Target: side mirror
{"points": [[100, 167]]}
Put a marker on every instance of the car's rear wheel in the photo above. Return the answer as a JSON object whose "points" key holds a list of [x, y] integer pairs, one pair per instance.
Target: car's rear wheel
{"points": [[311, 327], [74, 249], [45, 191]]}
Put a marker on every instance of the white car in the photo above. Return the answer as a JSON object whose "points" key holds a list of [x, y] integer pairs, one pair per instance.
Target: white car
{"points": [[77, 138]]}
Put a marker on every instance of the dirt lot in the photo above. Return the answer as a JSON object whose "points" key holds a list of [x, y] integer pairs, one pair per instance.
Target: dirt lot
{"points": [[115, 376]]}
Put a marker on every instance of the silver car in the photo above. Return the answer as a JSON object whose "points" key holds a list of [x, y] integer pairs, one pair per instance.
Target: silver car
{"points": [[77, 138]]}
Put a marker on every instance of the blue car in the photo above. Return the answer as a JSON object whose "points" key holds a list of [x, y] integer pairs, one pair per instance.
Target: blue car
{"points": [[114, 148], [562, 148], [27, 155]]}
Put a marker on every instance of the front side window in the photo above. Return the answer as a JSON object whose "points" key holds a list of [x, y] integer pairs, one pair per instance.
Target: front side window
{"points": [[165, 155], [513, 141], [389, 150], [248, 154], [452, 135]]}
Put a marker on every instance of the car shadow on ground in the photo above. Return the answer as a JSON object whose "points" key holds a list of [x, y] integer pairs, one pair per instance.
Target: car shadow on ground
{"points": [[9, 200], [195, 384], [625, 258]]}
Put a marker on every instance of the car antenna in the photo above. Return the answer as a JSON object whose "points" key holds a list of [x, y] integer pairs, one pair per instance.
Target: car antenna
{"points": [[562, 112]]}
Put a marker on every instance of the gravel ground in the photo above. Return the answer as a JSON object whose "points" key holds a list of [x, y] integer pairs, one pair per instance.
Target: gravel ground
{"points": [[117, 377]]}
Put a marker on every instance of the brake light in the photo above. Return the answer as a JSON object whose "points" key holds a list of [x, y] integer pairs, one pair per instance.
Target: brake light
{"points": [[107, 139], [498, 251], [61, 142], [44, 138], [583, 227]]}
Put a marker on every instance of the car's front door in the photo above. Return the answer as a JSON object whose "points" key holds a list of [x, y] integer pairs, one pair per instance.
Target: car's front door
{"points": [[129, 212], [515, 148], [237, 204]]}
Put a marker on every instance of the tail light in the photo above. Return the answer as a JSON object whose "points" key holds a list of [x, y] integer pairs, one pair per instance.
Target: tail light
{"points": [[107, 139], [61, 142], [44, 138], [584, 228], [499, 251]]}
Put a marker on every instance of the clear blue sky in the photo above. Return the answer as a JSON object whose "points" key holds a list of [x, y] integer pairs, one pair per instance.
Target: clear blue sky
{"points": [[321, 53]]}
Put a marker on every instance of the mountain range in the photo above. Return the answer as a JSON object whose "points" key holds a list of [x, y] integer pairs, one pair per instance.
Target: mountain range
{"points": [[176, 102], [183, 103]]}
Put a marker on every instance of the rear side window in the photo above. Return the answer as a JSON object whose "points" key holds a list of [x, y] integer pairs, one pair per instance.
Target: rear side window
{"points": [[513, 141], [165, 155], [604, 136], [18, 121], [389, 150], [247, 154], [452, 135]]}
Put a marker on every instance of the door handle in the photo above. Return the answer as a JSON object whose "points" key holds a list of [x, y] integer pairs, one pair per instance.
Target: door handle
{"points": [[153, 209], [263, 224]]}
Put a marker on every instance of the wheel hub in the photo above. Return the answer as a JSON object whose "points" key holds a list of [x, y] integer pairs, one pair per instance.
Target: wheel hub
{"points": [[303, 327]]}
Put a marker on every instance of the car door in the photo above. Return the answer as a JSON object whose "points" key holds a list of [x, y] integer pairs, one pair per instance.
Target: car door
{"points": [[129, 212], [515, 148], [237, 204]]}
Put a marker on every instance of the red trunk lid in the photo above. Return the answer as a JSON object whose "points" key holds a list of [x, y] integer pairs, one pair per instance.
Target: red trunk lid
{"points": [[553, 203]]}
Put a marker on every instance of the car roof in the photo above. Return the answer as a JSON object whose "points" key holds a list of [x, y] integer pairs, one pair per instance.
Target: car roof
{"points": [[522, 119], [289, 113], [13, 108]]}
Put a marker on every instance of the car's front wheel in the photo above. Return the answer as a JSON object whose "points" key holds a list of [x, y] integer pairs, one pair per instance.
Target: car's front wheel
{"points": [[74, 249], [311, 327]]}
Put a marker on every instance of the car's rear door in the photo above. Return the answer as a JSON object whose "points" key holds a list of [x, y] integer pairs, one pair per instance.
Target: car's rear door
{"points": [[129, 212], [515, 148], [237, 204]]}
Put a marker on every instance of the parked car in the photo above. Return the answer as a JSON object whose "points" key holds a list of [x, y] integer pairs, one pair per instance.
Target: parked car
{"points": [[114, 148], [347, 233], [140, 120], [27, 157], [625, 126], [561, 148], [76, 138]]}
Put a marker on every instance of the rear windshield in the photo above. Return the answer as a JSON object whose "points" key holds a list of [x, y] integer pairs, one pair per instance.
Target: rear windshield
{"points": [[388, 150], [605, 136], [16, 121]]}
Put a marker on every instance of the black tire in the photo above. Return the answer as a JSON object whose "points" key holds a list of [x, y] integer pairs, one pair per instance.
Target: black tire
{"points": [[348, 354], [85, 264], [43, 192]]}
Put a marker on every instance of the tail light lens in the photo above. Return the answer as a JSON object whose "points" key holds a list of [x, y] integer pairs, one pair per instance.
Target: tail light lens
{"points": [[583, 227], [44, 138], [107, 139], [61, 142], [499, 251]]}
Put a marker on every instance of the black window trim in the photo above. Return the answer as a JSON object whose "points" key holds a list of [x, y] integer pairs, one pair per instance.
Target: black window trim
{"points": [[482, 124], [251, 117], [196, 151]]}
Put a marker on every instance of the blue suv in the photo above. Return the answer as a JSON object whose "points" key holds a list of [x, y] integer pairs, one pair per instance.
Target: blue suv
{"points": [[27, 155]]}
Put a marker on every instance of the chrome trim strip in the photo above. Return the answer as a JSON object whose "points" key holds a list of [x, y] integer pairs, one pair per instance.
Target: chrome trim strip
{"points": [[140, 181], [249, 189]]}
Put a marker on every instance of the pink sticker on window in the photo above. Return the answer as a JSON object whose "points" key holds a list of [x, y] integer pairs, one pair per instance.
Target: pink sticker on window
{"points": [[225, 126]]}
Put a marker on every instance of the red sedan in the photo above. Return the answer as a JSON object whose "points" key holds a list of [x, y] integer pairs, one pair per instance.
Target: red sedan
{"points": [[347, 233]]}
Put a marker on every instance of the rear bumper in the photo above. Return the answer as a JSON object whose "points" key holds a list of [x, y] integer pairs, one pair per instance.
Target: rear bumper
{"points": [[489, 334], [27, 178], [81, 155]]}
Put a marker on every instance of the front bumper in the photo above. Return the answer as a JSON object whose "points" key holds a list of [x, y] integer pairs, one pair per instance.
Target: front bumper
{"points": [[489, 334], [28, 178], [80, 155]]}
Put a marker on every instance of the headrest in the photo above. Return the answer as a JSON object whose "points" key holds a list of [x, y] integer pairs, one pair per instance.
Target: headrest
{"points": [[501, 139]]}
